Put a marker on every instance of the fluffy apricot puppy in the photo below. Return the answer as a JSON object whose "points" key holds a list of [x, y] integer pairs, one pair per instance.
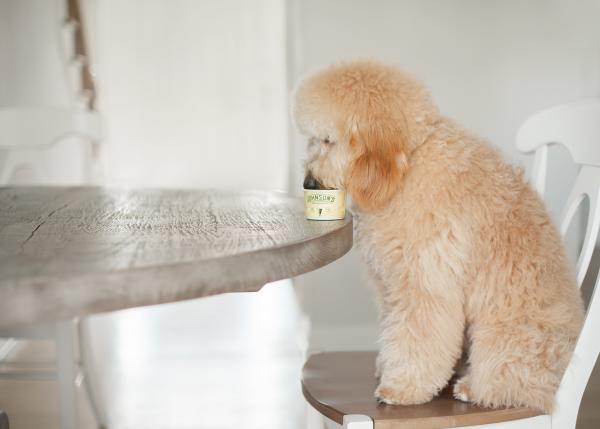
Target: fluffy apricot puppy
{"points": [[457, 244]]}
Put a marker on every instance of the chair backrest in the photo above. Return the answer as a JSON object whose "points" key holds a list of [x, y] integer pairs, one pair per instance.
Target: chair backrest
{"points": [[27, 133], [576, 126]]}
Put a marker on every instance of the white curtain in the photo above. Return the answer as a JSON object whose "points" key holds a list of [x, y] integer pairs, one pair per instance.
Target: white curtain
{"points": [[193, 92]]}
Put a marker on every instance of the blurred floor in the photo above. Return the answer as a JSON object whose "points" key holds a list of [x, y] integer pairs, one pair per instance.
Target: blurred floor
{"points": [[224, 362]]}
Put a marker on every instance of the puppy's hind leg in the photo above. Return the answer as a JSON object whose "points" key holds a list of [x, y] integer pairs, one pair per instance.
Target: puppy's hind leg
{"points": [[513, 364]]}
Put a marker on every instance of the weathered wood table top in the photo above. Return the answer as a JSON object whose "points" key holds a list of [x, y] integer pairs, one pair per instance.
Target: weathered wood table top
{"points": [[68, 252]]}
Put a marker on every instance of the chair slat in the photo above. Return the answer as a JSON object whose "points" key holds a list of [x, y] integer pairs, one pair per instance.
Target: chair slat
{"points": [[540, 165], [580, 369], [572, 125], [576, 126], [586, 184]]}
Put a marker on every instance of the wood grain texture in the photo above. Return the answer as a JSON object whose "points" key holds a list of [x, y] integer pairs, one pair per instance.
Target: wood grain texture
{"points": [[342, 383], [67, 252]]}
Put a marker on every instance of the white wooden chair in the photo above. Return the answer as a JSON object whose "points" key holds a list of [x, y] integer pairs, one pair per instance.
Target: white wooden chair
{"points": [[31, 153], [28, 140], [339, 386]]}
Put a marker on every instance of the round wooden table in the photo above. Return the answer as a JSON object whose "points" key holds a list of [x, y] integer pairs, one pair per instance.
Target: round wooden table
{"points": [[67, 252]]}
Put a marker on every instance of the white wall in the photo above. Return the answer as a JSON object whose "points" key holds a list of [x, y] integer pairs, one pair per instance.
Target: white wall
{"points": [[5, 51], [32, 70], [194, 93], [488, 64]]}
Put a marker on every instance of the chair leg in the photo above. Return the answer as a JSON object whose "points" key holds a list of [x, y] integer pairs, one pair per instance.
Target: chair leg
{"points": [[66, 366], [71, 365], [3, 420], [94, 402], [314, 419], [357, 421], [90, 378]]}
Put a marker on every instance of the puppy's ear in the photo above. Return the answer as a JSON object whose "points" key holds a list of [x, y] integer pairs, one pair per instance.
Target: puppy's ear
{"points": [[379, 162]]}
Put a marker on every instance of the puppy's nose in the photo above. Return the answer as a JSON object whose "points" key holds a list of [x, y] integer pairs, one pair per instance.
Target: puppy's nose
{"points": [[310, 182]]}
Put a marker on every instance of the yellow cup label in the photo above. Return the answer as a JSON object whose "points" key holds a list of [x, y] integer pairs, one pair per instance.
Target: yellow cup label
{"points": [[329, 204]]}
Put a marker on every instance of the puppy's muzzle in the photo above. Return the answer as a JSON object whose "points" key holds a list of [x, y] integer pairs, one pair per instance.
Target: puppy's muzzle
{"points": [[310, 182]]}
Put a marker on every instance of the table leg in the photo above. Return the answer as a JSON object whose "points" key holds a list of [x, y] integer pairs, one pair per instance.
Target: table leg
{"points": [[66, 366]]}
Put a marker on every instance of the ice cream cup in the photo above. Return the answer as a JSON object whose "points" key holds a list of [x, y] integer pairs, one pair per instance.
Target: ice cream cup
{"points": [[324, 204]]}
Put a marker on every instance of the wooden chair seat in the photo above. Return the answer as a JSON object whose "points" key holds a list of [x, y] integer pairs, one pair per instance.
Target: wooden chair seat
{"points": [[341, 383]]}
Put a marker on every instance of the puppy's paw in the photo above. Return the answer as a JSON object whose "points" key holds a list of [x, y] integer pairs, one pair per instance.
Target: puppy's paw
{"points": [[462, 391], [402, 395]]}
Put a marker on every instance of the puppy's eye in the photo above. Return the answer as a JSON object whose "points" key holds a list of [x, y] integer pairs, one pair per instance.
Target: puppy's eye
{"points": [[327, 141]]}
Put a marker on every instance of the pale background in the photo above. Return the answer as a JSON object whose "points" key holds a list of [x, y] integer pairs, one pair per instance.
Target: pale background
{"points": [[195, 94]]}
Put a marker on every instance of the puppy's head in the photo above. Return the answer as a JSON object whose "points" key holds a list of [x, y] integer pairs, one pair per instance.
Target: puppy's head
{"points": [[358, 118]]}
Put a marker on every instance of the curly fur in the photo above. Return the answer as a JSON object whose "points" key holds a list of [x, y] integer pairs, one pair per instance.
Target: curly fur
{"points": [[457, 244]]}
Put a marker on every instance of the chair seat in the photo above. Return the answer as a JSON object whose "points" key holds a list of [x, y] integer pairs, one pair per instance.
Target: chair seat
{"points": [[341, 383]]}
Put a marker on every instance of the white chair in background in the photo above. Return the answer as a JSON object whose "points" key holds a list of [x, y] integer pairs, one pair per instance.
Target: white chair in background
{"points": [[28, 139], [32, 153], [576, 126]]}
